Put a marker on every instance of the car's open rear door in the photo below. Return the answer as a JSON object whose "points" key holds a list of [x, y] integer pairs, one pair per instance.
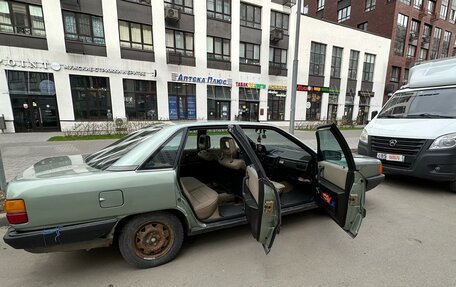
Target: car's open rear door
{"points": [[261, 200], [341, 189]]}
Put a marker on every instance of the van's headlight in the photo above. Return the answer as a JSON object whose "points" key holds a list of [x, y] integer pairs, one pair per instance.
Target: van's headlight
{"points": [[364, 136], [443, 142]]}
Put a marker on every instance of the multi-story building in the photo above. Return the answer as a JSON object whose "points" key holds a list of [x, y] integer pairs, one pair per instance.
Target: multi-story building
{"points": [[72, 61], [419, 29]]}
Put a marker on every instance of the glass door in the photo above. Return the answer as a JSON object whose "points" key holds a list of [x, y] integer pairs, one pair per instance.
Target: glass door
{"points": [[35, 113]]}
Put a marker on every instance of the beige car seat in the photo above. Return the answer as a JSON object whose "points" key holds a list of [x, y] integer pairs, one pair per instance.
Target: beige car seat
{"points": [[229, 154]]}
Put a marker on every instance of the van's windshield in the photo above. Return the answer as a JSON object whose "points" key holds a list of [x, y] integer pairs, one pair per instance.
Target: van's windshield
{"points": [[426, 104]]}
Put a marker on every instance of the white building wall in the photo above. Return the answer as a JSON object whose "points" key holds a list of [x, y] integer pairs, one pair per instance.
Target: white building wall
{"points": [[311, 30]]}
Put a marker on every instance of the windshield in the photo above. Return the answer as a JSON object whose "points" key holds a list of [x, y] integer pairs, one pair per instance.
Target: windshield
{"points": [[435, 104], [107, 156]]}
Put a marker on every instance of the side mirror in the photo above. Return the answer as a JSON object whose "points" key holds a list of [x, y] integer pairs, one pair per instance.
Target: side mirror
{"points": [[374, 114], [332, 155]]}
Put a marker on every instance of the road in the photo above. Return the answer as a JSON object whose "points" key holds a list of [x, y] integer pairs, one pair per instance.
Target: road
{"points": [[407, 239]]}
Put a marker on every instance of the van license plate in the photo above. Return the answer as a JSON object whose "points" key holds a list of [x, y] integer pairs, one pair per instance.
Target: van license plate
{"points": [[391, 157]]}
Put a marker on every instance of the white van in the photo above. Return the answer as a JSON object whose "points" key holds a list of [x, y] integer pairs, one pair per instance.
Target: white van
{"points": [[415, 132]]}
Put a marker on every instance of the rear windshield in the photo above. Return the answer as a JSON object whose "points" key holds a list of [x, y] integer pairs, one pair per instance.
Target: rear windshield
{"points": [[434, 104], [104, 158]]}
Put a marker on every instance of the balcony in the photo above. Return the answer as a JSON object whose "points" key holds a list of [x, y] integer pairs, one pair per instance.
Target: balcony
{"points": [[288, 3]]}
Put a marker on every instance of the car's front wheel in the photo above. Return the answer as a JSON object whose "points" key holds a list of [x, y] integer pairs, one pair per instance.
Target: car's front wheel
{"points": [[151, 240]]}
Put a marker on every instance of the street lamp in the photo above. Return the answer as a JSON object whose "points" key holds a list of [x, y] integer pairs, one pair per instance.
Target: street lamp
{"points": [[294, 78]]}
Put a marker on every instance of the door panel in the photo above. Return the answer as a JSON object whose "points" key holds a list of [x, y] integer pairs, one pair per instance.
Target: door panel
{"points": [[340, 191], [262, 203]]}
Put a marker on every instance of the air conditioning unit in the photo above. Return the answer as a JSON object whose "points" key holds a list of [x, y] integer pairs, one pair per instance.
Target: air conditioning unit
{"points": [[172, 14], [276, 35]]}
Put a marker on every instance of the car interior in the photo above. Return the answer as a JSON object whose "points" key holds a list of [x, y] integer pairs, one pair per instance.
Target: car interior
{"points": [[213, 171]]}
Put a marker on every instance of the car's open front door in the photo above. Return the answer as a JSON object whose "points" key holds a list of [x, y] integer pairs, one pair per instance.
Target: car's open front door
{"points": [[341, 189], [261, 200]]}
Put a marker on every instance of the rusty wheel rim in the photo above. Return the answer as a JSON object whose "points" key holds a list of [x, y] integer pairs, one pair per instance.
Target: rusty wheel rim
{"points": [[153, 240]]}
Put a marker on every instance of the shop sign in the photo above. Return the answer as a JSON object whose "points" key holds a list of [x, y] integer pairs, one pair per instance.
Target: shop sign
{"points": [[175, 77], [58, 67], [250, 85], [277, 87], [306, 88], [366, 93]]}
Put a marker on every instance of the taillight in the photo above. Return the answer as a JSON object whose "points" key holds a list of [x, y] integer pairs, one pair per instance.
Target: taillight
{"points": [[15, 211]]}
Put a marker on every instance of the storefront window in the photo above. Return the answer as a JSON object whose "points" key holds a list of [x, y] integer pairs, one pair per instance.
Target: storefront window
{"points": [[249, 104], [313, 113], [349, 102], [276, 105], [218, 102], [332, 107], [182, 101], [91, 97], [363, 114], [140, 99], [33, 101]]}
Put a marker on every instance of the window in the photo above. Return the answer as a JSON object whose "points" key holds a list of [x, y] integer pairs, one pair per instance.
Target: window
{"points": [[83, 27], [395, 74], [444, 9], [179, 42], [406, 2], [436, 43], [135, 36], [427, 33], [332, 106], [21, 18], [218, 49], [218, 103], [453, 12], [401, 32], [91, 97], [411, 51], [317, 59], [249, 53], [314, 112], [418, 4], [320, 4], [278, 57], [166, 156], [219, 9], [250, 16], [431, 7], [279, 20], [414, 30], [146, 2], [353, 65], [446, 44], [363, 26], [182, 101], [336, 62], [343, 14], [276, 105], [140, 99], [368, 67], [186, 6], [406, 76], [423, 54], [370, 5]]}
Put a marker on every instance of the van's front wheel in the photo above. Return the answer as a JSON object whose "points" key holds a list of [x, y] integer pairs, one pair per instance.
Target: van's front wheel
{"points": [[453, 186], [150, 240]]}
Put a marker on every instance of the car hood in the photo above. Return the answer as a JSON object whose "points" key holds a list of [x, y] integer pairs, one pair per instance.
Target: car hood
{"points": [[411, 128], [59, 166]]}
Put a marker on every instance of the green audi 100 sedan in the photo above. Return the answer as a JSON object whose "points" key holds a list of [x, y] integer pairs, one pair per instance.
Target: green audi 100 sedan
{"points": [[152, 188]]}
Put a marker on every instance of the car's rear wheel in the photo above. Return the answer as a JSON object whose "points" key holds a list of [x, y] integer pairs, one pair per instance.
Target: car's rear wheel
{"points": [[151, 240], [453, 186]]}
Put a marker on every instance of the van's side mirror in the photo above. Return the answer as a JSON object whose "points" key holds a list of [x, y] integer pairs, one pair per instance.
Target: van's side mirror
{"points": [[374, 114]]}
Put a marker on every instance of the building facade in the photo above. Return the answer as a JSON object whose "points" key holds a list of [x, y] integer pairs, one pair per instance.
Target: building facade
{"points": [[419, 29], [71, 61]]}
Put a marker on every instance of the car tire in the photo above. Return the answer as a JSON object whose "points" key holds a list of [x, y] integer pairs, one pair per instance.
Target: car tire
{"points": [[453, 186], [151, 240]]}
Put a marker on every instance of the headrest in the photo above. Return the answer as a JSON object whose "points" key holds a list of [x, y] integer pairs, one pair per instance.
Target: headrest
{"points": [[228, 146], [204, 142]]}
